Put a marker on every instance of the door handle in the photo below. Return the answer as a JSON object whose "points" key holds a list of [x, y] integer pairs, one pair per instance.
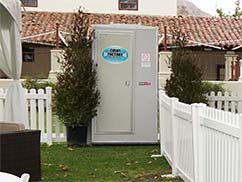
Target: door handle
{"points": [[127, 83]]}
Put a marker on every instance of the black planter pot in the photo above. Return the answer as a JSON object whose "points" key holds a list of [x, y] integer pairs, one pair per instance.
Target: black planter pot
{"points": [[76, 136]]}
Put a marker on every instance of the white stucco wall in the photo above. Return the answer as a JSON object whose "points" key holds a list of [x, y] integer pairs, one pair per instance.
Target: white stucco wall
{"points": [[164, 70], [230, 86], [146, 7], [57, 56]]}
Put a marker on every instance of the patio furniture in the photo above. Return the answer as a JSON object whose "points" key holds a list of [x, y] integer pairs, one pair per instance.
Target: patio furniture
{"points": [[6, 177], [20, 150]]}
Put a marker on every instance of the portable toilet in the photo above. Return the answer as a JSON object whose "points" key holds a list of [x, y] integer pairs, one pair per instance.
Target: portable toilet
{"points": [[126, 58]]}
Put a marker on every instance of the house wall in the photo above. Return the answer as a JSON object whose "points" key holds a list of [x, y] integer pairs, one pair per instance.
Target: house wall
{"points": [[154, 7], [41, 65], [208, 61]]}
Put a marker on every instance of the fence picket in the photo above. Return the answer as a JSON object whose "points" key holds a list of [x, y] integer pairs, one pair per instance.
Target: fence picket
{"points": [[229, 160], [33, 110], [226, 102], [219, 159], [240, 149], [48, 115], [57, 126], [64, 130], [41, 113], [212, 102], [240, 103], [26, 110], [233, 109], [219, 102]]}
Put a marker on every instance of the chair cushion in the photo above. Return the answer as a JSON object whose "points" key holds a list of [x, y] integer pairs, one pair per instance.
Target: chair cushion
{"points": [[9, 127]]}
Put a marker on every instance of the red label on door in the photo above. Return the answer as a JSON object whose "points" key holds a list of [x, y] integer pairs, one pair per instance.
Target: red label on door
{"points": [[144, 83]]}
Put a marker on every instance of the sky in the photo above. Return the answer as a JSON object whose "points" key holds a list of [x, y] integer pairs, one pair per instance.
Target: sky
{"points": [[210, 6]]}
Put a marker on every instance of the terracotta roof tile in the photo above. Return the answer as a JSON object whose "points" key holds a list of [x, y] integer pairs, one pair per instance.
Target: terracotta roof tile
{"points": [[222, 32]]}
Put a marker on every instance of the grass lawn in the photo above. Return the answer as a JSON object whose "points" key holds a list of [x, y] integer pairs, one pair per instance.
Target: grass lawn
{"points": [[102, 163]]}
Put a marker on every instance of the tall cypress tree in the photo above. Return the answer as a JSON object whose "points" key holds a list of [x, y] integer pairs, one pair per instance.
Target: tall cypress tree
{"points": [[76, 90]]}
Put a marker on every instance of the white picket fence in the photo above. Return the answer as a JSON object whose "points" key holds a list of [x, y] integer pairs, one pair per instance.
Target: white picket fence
{"points": [[202, 144], [227, 101], [40, 115]]}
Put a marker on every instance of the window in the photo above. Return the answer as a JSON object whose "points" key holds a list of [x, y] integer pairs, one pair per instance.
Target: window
{"points": [[128, 4], [220, 72], [30, 3], [28, 54]]}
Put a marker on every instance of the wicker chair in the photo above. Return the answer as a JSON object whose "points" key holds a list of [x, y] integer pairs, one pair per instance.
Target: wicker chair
{"points": [[20, 150]]}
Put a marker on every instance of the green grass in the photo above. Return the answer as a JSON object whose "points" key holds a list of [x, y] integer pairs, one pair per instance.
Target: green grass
{"points": [[102, 164]]}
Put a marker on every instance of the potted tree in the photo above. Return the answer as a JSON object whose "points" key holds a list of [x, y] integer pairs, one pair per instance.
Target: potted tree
{"points": [[76, 94]]}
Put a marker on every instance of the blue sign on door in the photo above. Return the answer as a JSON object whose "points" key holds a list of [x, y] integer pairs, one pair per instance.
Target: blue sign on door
{"points": [[115, 55]]}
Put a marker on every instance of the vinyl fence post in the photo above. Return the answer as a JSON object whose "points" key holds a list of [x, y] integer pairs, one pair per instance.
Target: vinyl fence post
{"points": [[161, 116], [174, 136], [49, 115], [240, 149], [197, 110]]}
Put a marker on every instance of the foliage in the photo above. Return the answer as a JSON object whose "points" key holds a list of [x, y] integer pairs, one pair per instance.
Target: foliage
{"points": [[220, 12], [185, 81], [237, 11], [209, 87], [103, 164], [31, 83], [76, 91]]}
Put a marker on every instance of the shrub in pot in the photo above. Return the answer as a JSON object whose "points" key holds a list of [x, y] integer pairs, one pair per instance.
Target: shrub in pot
{"points": [[76, 94]]}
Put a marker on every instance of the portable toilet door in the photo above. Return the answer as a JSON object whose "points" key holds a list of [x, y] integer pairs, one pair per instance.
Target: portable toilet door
{"points": [[126, 59]]}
